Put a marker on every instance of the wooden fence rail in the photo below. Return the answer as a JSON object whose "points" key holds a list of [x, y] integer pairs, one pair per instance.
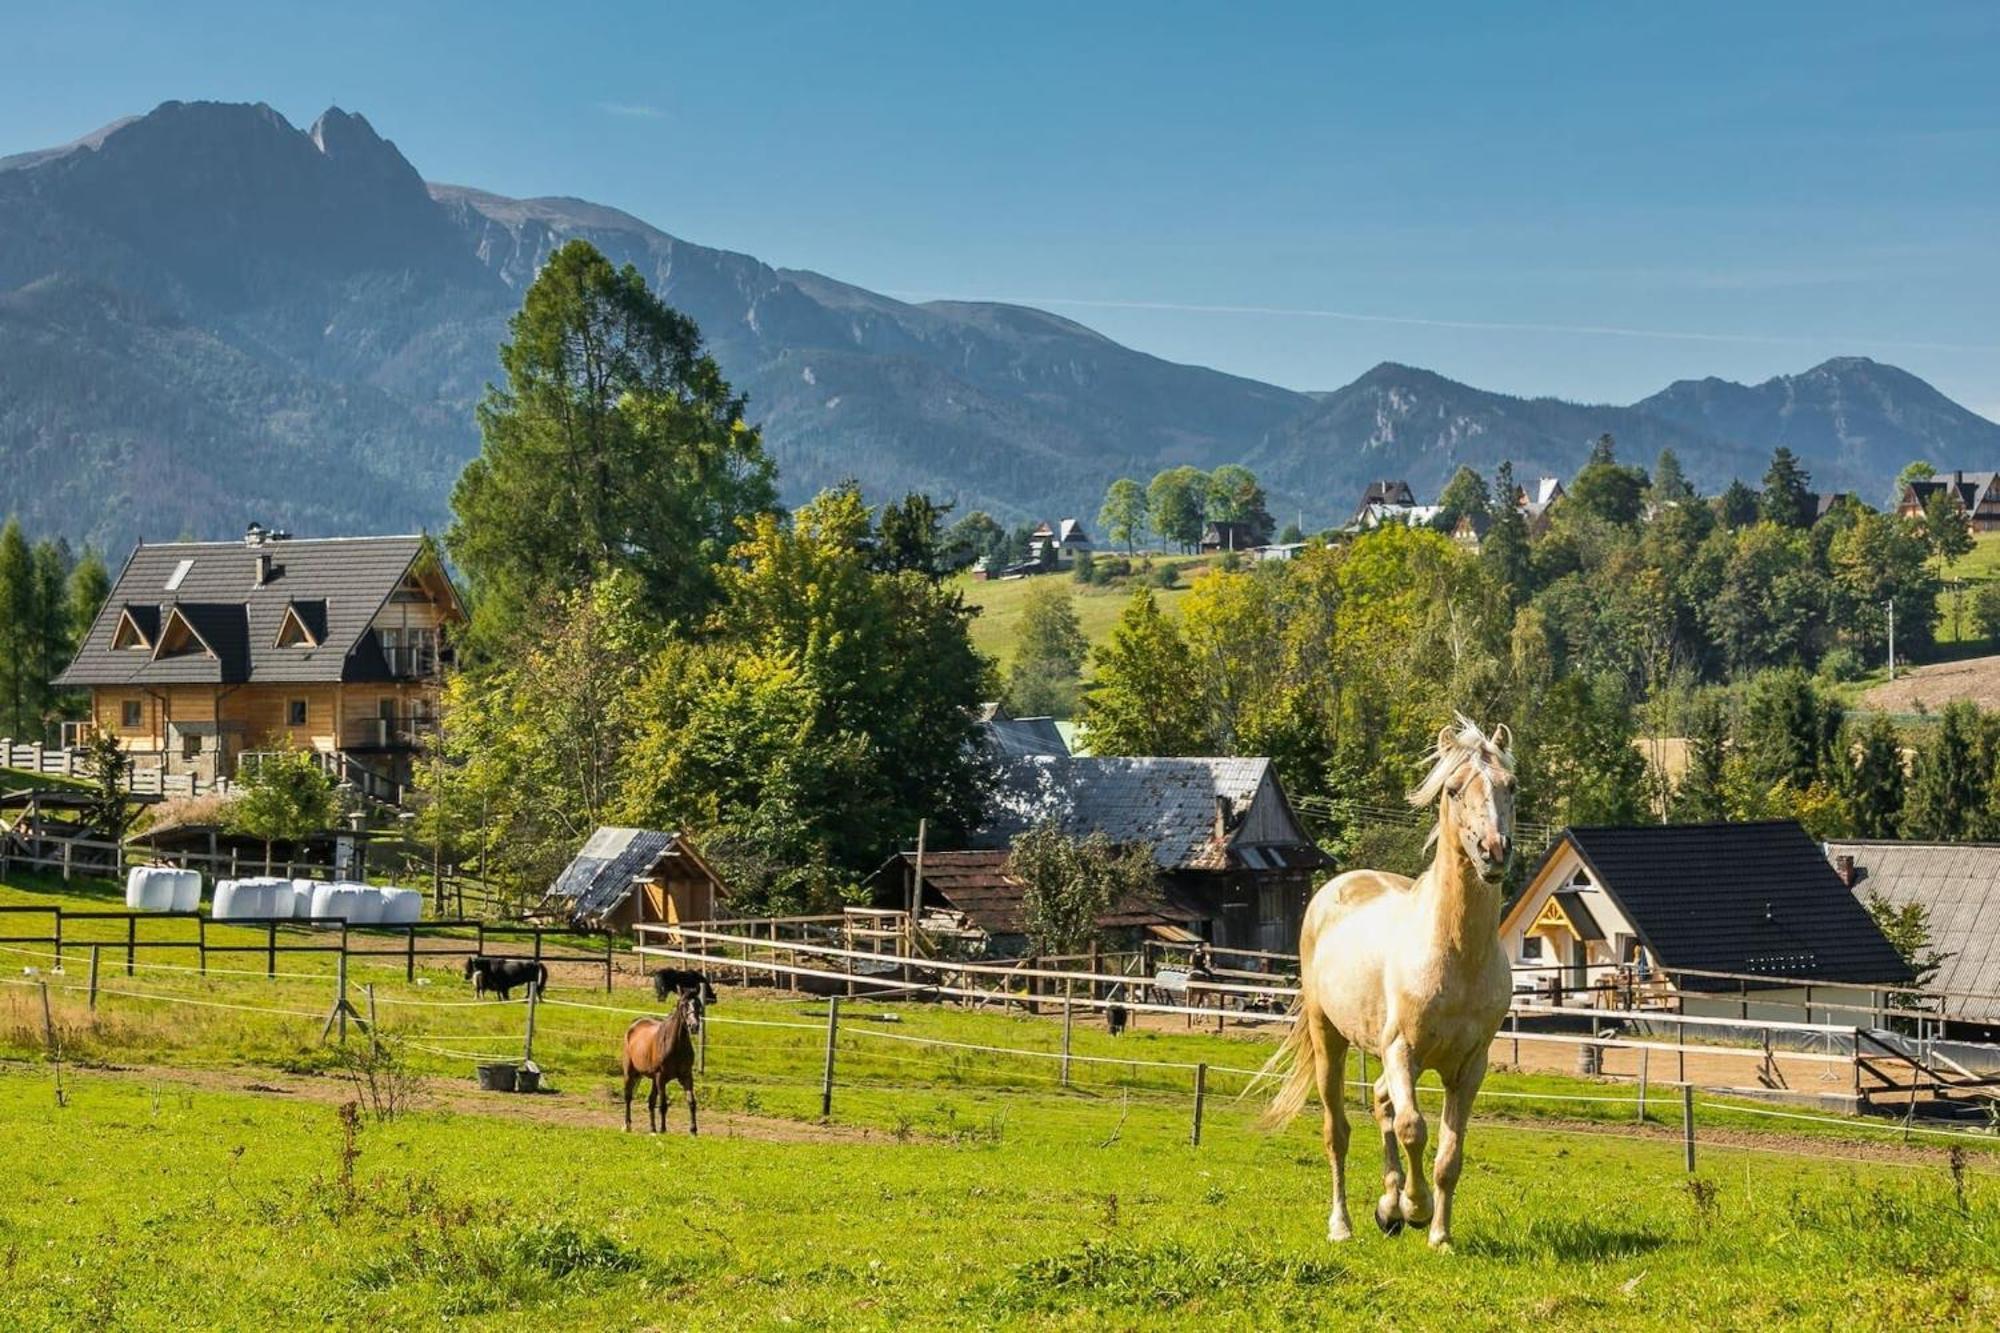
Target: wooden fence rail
{"points": [[426, 940]]}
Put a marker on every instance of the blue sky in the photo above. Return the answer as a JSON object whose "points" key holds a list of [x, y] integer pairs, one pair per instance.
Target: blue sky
{"points": [[1587, 200]]}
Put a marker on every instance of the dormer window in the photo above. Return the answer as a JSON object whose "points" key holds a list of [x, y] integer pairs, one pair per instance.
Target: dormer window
{"points": [[128, 634], [178, 638], [293, 632]]}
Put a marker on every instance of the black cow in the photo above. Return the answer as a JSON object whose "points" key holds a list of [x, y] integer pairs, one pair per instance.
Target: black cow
{"points": [[685, 981], [502, 975]]}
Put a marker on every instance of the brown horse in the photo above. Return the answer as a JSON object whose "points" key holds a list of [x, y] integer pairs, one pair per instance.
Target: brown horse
{"points": [[662, 1049]]}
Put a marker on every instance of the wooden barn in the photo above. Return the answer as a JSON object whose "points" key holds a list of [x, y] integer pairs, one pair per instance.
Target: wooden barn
{"points": [[1230, 848], [626, 876]]}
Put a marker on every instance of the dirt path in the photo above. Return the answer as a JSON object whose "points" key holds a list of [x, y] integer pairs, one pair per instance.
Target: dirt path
{"points": [[593, 1107], [1930, 688]]}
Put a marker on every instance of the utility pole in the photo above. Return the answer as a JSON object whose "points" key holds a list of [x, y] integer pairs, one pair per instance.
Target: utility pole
{"points": [[1892, 638]]}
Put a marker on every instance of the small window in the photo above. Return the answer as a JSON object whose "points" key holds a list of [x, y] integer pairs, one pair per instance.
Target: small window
{"points": [[295, 712], [191, 746], [1531, 948], [127, 634], [131, 714]]}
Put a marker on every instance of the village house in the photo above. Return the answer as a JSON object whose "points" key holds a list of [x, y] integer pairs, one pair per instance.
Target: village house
{"points": [[1975, 494], [1539, 500], [1958, 886], [1471, 529], [205, 652], [1057, 544], [1708, 909], [1233, 535], [624, 877], [1231, 851]]}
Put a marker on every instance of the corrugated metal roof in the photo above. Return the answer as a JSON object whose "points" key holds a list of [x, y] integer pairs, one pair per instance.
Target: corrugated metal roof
{"points": [[1170, 803], [1012, 737], [601, 876], [1959, 886], [337, 584]]}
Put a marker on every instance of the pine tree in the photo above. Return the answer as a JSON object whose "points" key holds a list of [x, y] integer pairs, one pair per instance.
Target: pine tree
{"points": [[18, 715], [1505, 552], [1702, 798], [1670, 484], [1787, 499], [1875, 781], [1948, 798], [89, 585], [1736, 507]]}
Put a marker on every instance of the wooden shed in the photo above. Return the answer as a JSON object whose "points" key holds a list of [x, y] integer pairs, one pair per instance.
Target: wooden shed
{"points": [[626, 876]]}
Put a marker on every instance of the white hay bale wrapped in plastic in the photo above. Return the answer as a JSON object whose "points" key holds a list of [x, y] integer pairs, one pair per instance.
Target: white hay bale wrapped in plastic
{"points": [[335, 900], [302, 897], [281, 897], [401, 907], [223, 904], [248, 899], [367, 908], [159, 889]]}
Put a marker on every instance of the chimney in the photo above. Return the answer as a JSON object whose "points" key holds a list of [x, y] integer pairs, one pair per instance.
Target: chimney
{"points": [[254, 534], [1221, 818], [1843, 865], [263, 568]]}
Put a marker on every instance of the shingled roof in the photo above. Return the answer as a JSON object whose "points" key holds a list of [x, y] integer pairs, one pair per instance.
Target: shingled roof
{"points": [[334, 586], [1170, 803], [1754, 898], [1958, 885], [602, 874]]}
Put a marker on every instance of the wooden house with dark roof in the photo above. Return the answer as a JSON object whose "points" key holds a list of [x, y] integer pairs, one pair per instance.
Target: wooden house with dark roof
{"points": [[1229, 845], [1709, 909], [1974, 494], [206, 651]]}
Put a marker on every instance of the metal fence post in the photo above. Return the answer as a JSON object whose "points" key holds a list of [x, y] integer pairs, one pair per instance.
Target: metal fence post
{"points": [[826, 1074], [48, 1023], [341, 1002], [528, 1046], [1643, 1053], [95, 949], [1687, 1125], [131, 941], [1200, 1095], [410, 954], [271, 948]]}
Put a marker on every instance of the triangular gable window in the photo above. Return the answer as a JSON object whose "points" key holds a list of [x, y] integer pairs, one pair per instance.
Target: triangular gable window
{"points": [[293, 632], [178, 638], [128, 634]]}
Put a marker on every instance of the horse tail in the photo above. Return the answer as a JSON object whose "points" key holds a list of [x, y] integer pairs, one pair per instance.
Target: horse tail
{"points": [[541, 979], [1294, 1060]]}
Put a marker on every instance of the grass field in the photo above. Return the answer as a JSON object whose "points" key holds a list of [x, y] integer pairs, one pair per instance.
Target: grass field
{"points": [[997, 629], [198, 1173]]}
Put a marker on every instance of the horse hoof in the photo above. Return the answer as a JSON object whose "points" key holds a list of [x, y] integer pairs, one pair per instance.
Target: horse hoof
{"points": [[1337, 1234], [1388, 1220]]}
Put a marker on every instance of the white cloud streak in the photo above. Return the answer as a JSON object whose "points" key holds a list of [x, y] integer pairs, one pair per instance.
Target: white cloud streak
{"points": [[1480, 326], [631, 110]]}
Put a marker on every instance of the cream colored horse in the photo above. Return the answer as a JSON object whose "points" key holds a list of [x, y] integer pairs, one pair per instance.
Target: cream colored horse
{"points": [[1412, 971]]}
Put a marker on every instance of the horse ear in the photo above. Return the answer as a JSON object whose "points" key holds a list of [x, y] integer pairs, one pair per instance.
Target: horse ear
{"points": [[1503, 737], [1447, 737]]}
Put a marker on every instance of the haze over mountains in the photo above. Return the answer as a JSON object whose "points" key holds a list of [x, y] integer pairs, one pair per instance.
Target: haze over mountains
{"points": [[208, 315]]}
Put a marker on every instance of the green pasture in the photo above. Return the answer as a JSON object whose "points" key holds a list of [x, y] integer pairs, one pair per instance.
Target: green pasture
{"points": [[957, 1182], [997, 628]]}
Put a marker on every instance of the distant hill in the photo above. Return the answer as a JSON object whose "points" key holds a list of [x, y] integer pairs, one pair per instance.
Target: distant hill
{"points": [[208, 315]]}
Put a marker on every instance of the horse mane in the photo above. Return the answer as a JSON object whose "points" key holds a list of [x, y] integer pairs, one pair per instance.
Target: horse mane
{"points": [[1459, 747]]}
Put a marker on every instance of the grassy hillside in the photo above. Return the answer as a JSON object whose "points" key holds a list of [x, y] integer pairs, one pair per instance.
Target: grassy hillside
{"points": [[998, 627]]}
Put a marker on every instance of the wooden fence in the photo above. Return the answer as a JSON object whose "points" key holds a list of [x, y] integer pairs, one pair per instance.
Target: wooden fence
{"points": [[63, 762], [69, 931]]}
